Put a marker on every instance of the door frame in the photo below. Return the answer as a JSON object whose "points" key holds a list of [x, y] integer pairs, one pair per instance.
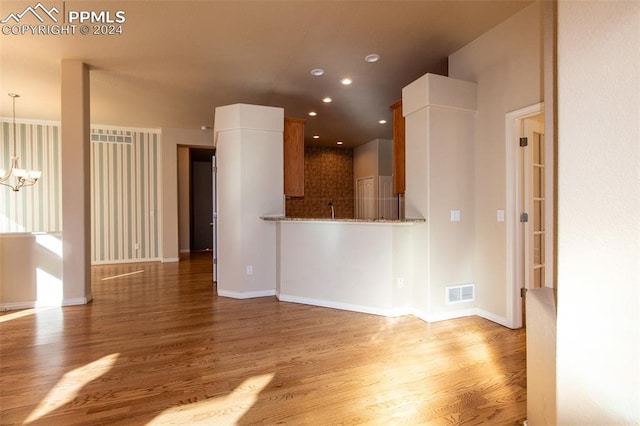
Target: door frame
{"points": [[514, 237], [207, 154], [214, 219]]}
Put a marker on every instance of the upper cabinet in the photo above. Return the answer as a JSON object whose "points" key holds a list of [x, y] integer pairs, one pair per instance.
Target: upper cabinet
{"points": [[399, 182], [293, 157]]}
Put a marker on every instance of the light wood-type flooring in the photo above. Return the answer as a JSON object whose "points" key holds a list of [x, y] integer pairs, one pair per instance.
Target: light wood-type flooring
{"points": [[157, 346]]}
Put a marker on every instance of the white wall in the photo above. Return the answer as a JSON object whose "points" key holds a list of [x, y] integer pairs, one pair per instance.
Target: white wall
{"points": [[250, 184], [506, 64], [598, 350], [365, 159], [31, 271], [171, 138], [385, 157]]}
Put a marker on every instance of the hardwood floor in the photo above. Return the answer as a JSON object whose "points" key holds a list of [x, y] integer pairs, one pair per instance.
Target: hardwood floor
{"points": [[159, 347]]}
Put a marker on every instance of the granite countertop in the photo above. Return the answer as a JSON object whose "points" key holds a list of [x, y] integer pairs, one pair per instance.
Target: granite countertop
{"points": [[338, 220]]}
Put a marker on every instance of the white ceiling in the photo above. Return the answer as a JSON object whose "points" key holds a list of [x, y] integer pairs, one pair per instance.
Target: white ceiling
{"points": [[178, 60]]}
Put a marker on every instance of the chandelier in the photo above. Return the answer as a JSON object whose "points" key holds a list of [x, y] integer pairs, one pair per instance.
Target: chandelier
{"points": [[15, 178]]}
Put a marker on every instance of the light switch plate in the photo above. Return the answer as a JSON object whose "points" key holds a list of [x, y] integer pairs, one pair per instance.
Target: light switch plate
{"points": [[500, 215], [455, 215]]}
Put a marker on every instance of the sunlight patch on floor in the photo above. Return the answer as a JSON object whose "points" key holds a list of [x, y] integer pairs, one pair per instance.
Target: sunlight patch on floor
{"points": [[477, 352], [16, 315], [68, 386], [225, 410], [122, 275], [24, 313]]}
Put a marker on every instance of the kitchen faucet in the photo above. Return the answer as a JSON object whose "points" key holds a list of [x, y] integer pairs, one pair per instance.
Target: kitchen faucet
{"points": [[333, 211]]}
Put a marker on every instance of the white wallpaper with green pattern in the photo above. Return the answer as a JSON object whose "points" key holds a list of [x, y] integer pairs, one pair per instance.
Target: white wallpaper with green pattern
{"points": [[36, 208], [125, 189]]}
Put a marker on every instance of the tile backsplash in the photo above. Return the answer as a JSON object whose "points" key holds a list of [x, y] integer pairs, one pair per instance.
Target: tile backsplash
{"points": [[328, 177]]}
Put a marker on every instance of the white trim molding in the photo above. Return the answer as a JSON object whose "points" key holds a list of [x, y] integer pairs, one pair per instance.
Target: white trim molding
{"points": [[387, 312], [77, 301], [514, 264], [246, 294]]}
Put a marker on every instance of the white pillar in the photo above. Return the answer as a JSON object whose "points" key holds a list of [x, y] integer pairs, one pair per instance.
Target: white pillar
{"points": [[76, 210], [440, 134], [250, 185]]}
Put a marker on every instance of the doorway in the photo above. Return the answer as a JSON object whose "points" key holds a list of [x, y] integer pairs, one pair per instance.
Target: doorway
{"points": [[533, 201], [201, 199], [529, 208]]}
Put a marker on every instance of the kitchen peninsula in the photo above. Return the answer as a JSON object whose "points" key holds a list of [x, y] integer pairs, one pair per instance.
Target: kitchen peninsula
{"points": [[354, 264], [385, 267]]}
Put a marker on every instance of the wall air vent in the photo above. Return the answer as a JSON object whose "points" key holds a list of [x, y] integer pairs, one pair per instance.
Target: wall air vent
{"points": [[103, 137], [461, 293]]}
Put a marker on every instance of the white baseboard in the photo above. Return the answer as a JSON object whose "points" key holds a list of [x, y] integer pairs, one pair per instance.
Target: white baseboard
{"points": [[443, 316], [34, 304], [16, 306], [387, 312], [245, 294], [77, 301], [170, 259], [493, 317], [114, 262]]}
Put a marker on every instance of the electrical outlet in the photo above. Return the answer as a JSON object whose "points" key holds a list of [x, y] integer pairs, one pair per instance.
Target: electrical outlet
{"points": [[249, 269], [400, 282]]}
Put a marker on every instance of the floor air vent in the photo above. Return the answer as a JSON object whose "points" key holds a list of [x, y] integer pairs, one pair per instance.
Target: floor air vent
{"points": [[461, 293]]}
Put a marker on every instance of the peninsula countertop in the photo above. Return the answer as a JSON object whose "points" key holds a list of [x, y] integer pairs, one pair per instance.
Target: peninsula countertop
{"points": [[277, 218]]}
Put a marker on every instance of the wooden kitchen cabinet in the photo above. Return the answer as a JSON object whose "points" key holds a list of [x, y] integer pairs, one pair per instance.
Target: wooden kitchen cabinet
{"points": [[293, 157], [399, 182]]}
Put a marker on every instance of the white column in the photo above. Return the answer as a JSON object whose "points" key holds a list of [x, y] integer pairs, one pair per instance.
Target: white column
{"points": [[250, 185], [76, 210], [440, 133]]}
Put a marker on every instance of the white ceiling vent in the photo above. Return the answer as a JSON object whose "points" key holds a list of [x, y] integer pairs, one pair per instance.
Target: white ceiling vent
{"points": [[461, 293]]}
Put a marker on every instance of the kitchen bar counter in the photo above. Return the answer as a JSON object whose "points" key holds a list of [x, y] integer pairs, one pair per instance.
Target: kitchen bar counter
{"points": [[341, 220], [358, 265]]}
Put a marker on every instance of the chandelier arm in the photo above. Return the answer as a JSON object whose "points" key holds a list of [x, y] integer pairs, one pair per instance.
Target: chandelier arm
{"points": [[15, 188]]}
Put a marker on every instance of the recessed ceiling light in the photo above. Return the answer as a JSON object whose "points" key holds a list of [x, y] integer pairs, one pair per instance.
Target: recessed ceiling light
{"points": [[317, 72], [339, 143], [313, 113], [382, 121], [327, 100], [316, 136], [374, 57], [346, 81]]}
